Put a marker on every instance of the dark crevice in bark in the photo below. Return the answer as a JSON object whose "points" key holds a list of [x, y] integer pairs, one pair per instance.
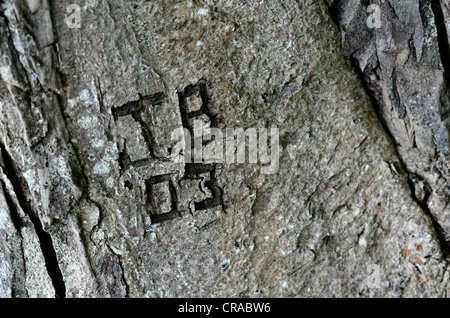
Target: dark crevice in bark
{"points": [[442, 37], [444, 244], [22, 192], [327, 4], [373, 101]]}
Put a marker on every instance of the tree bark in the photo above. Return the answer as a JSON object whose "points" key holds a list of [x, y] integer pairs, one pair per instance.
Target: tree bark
{"points": [[92, 203]]}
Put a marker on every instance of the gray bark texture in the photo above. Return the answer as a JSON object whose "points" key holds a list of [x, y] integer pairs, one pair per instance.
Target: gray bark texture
{"points": [[92, 204]]}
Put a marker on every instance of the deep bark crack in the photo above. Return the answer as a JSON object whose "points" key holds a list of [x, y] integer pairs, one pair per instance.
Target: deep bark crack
{"points": [[442, 36], [440, 234], [20, 186]]}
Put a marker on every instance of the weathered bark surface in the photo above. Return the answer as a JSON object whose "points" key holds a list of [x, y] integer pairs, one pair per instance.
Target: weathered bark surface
{"points": [[404, 63], [86, 117]]}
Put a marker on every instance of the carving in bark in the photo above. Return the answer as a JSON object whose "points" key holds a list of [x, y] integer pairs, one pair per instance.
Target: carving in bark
{"points": [[92, 206]]}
